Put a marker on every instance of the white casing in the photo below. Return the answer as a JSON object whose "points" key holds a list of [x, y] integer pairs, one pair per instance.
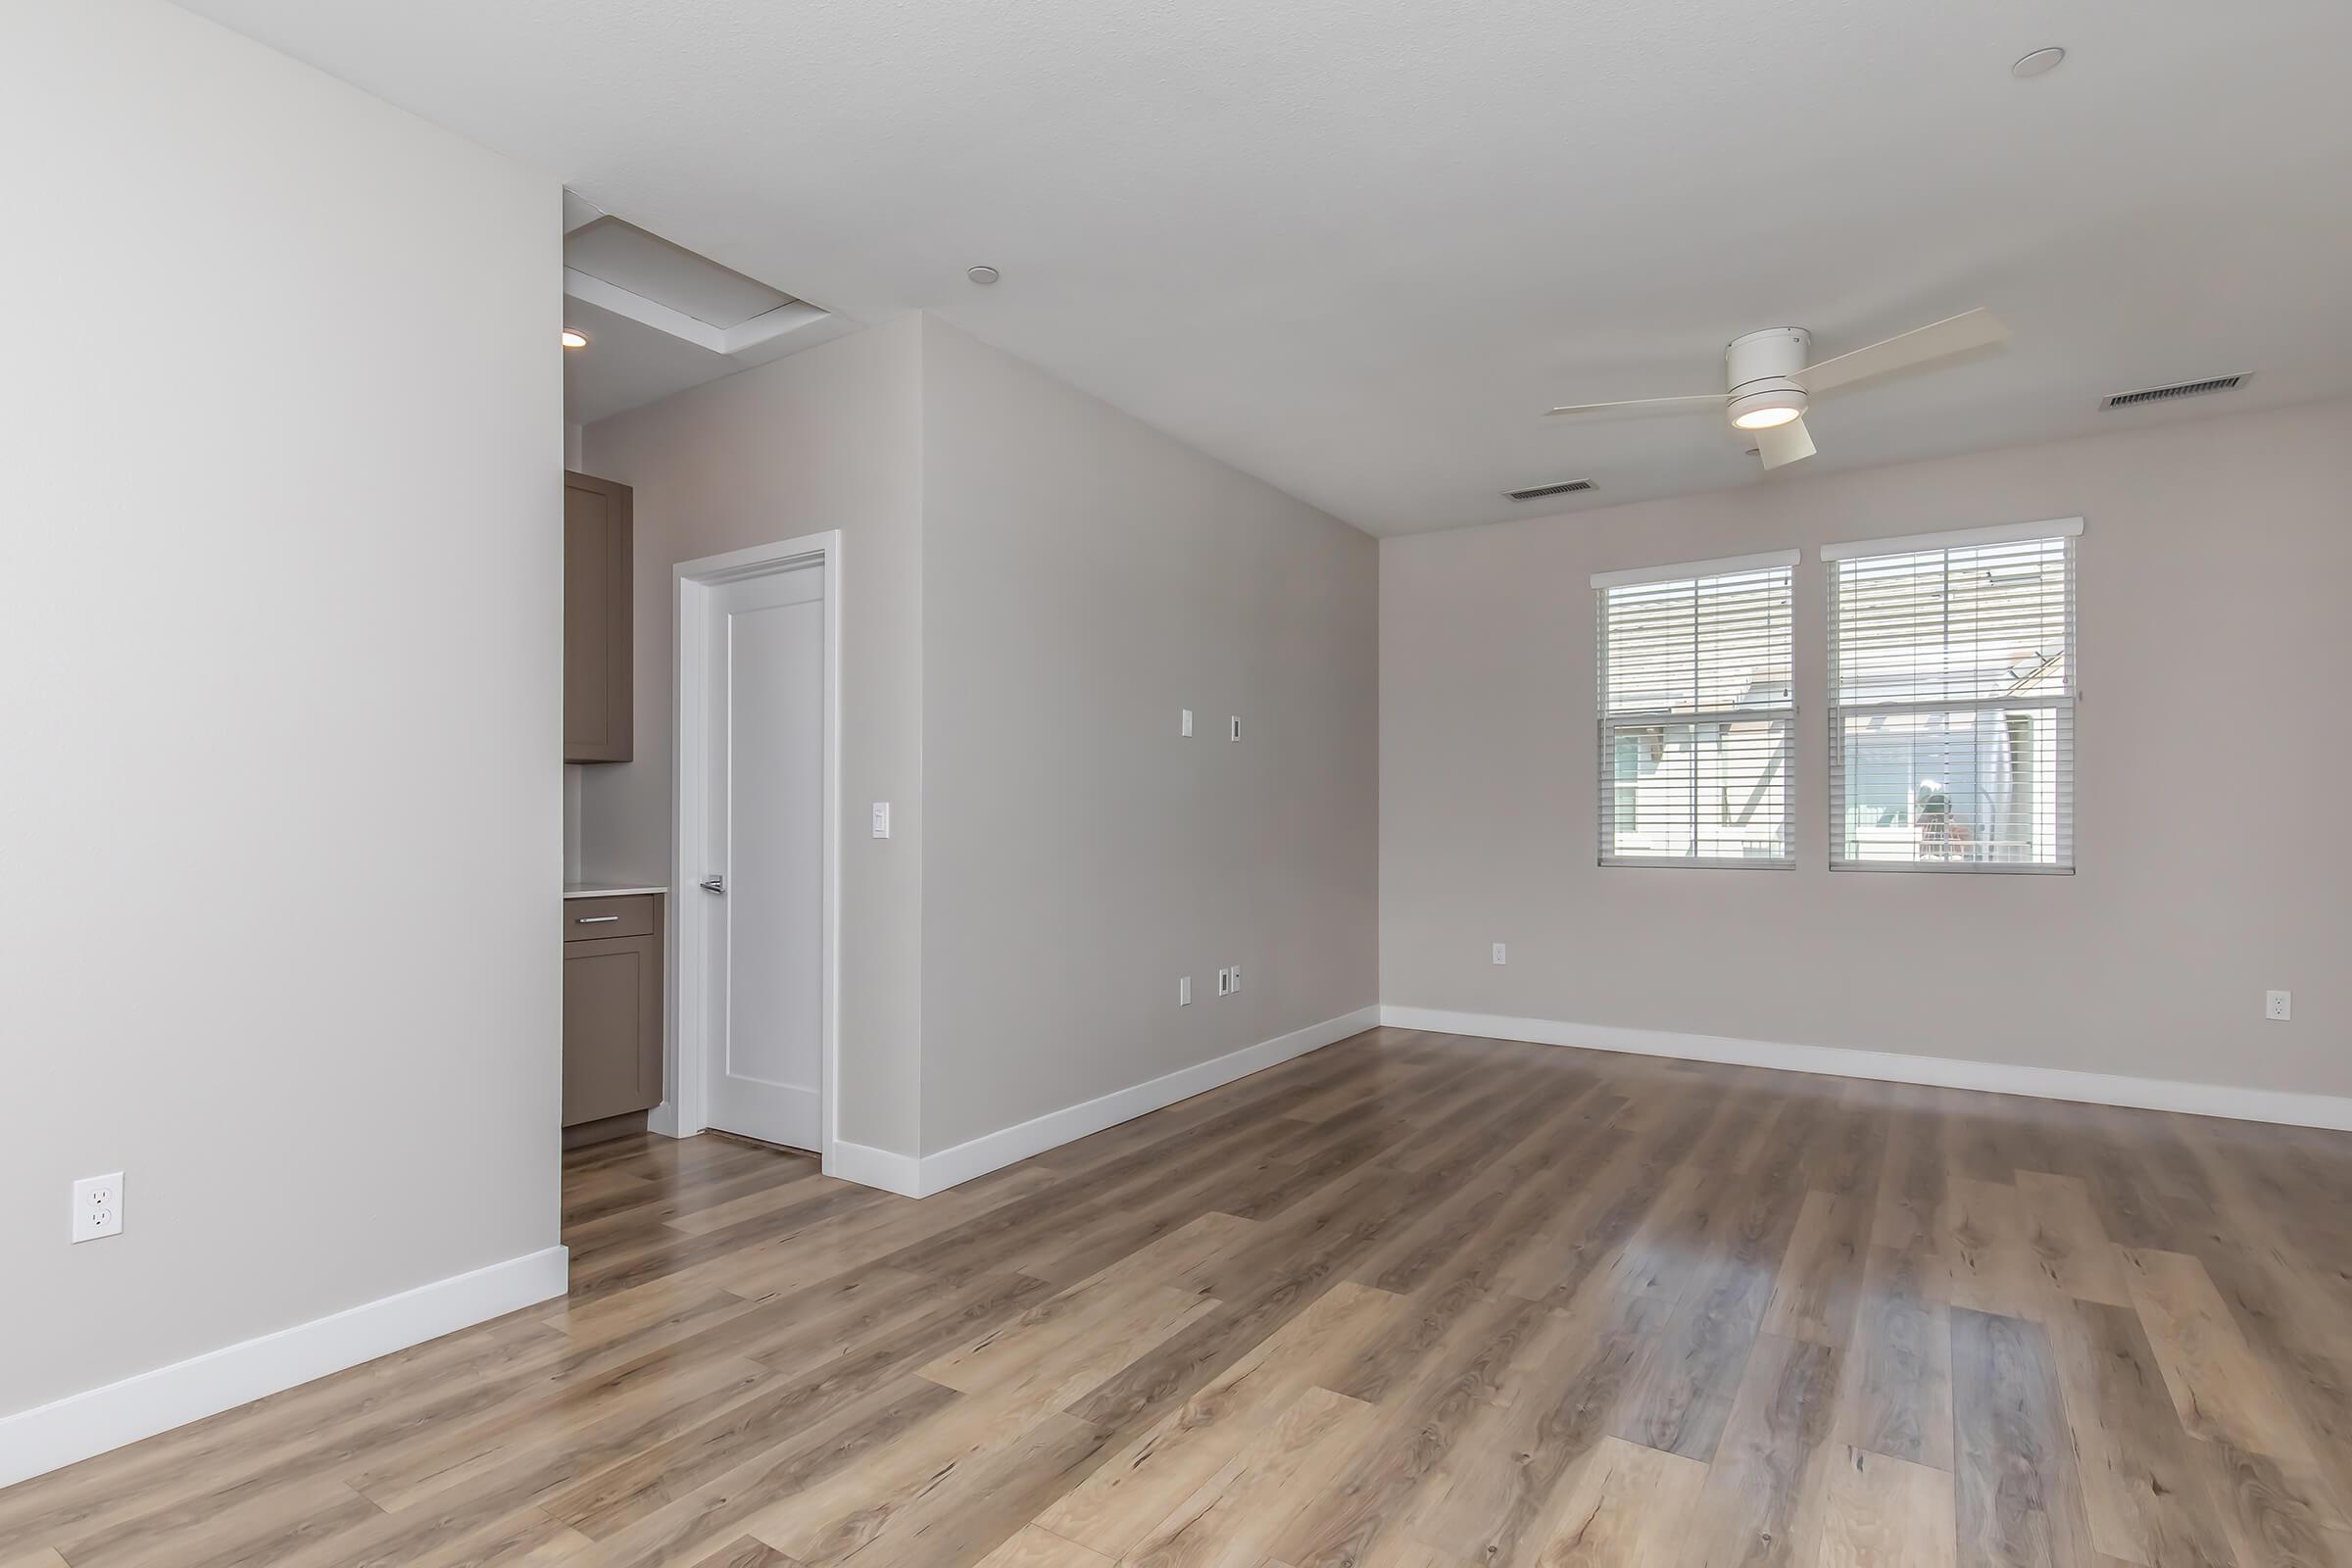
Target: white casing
{"points": [[1757, 367]]}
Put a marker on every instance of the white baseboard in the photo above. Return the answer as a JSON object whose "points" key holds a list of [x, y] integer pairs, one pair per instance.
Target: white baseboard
{"points": [[870, 1166], [936, 1173], [1943, 1072], [49, 1436]]}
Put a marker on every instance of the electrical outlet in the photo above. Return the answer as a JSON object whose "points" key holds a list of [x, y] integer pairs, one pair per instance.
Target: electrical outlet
{"points": [[1501, 953], [98, 1207], [1184, 991], [2279, 1006]]}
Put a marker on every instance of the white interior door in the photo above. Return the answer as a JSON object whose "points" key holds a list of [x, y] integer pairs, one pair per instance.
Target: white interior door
{"points": [[764, 827]]}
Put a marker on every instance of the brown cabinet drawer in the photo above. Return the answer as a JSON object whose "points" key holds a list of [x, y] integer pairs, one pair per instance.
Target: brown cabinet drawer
{"points": [[629, 915]]}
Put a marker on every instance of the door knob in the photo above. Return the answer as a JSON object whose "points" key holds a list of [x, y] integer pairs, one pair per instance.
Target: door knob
{"points": [[714, 884]]}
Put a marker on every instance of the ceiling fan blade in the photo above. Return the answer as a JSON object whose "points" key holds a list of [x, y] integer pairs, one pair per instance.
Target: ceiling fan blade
{"points": [[1972, 329], [1784, 443], [1717, 398]]}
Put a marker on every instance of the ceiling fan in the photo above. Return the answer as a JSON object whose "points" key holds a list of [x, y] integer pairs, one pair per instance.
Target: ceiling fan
{"points": [[1771, 385]]}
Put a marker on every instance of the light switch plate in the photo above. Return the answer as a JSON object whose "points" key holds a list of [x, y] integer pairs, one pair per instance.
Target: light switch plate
{"points": [[1185, 730], [881, 819]]}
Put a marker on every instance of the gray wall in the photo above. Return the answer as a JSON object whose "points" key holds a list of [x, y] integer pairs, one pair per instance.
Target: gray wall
{"points": [[2213, 757], [1059, 857], [277, 796], [1089, 577], [823, 439]]}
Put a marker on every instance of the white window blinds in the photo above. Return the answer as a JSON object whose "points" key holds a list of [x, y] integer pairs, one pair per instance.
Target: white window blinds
{"points": [[1695, 714], [1952, 690]]}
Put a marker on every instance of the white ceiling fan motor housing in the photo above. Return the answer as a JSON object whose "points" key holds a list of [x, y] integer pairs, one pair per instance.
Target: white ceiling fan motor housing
{"points": [[1759, 365]]}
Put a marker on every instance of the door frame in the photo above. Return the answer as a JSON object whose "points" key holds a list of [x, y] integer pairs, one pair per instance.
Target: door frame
{"points": [[685, 1105]]}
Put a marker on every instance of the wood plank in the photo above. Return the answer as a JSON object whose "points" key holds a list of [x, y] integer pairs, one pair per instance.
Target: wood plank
{"points": [[746, 1554], [2143, 1486], [1376, 1492], [1685, 1396], [2063, 1231], [1886, 1513], [1113, 1508], [1231, 1519], [1762, 1501], [1034, 1546], [1506, 1472], [1819, 1287], [1625, 1507], [2017, 1494], [1896, 1396], [2221, 1390], [1989, 1263]]}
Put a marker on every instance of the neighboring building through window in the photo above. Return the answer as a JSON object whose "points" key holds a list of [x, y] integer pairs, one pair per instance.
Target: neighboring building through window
{"points": [[1952, 691], [1696, 707]]}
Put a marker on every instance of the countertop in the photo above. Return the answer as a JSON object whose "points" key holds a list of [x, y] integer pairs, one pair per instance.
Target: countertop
{"points": [[608, 889]]}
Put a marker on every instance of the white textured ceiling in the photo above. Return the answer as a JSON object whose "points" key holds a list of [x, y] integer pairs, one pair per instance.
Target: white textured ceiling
{"points": [[1355, 246]]}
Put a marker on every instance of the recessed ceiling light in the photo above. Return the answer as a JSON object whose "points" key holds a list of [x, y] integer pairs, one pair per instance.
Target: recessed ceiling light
{"points": [[2040, 63], [575, 338], [983, 274]]}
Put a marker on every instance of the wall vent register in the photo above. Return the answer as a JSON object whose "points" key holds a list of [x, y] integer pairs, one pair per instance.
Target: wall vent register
{"points": [[1536, 492], [2173, 393]]}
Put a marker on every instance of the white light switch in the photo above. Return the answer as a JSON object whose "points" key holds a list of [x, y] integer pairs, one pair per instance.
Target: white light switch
{"points": [[1236, 730], [1186, 730], [881, 819], [1184, 991]]}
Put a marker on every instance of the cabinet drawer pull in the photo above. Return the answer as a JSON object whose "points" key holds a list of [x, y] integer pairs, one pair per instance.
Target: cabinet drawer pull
{"points": [[597, 919]]}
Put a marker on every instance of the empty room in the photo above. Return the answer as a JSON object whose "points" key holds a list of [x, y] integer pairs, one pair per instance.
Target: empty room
{"points": [[1099, 783]]}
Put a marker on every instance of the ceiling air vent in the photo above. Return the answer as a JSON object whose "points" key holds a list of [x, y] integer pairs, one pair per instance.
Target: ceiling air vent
{"points": [[1536, 492], [2174, 392]]}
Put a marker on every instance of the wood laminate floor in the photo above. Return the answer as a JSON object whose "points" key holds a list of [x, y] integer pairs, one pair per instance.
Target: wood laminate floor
{"points": [[1412, 1301]]}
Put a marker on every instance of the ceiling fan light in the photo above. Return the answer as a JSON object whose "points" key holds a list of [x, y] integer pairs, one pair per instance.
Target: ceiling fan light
{"points": [[1765, 418]]}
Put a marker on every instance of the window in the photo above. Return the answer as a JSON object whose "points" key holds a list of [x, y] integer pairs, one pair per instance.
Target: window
{"points": [[1696, 713], [1952, 701]]}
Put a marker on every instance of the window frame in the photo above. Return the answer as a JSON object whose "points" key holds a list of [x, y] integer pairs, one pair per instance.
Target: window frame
{"points": [[2068, 701], [1608, 728]]}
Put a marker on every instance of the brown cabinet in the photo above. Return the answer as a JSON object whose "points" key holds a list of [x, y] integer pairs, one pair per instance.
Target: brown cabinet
{"points": [[597, 720], [612, 1006]]}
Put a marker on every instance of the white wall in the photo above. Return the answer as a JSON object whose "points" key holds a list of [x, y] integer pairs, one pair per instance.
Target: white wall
{"points": [[1087, 578], [2212, 757], [281, 598], [828, 438]]}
